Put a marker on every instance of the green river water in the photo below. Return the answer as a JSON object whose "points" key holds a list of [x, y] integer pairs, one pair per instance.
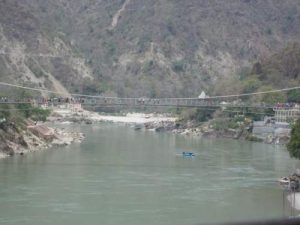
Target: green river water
{"points": [[121, 176]]}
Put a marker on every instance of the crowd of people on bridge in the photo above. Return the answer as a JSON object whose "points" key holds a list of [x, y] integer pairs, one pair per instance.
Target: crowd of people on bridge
{"points": [[287, 105], [134, 101], [61, 100], [42, 100]]}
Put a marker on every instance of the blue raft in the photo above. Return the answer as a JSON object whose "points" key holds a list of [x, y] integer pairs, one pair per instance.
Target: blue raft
{"points": [[188, 154]]}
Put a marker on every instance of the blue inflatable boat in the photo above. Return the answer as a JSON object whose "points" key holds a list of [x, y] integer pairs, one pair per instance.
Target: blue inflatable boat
{"points": [[188, 154]]}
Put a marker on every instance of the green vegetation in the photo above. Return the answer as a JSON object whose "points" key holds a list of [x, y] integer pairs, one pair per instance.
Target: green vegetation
{"points": [[281, 70], [28, 111], [178, 66], [251, 84], [194, 46], [250, 137], [171, 27], [203, 115], [18, 113], [224, 122], [293, 96], [269, 31], [220, 124], [197, 115], [294, 144], [272, 98], [149, 65]]}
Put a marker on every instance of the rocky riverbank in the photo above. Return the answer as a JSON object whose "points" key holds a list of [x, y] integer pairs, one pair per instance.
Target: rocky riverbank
{"points": [[238, 127], [32, 136], [233, 128], [242, 131], [190, 128]]}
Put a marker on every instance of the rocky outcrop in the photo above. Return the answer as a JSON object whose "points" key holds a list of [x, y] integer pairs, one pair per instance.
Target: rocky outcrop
{"points": [[20, 139], [11, 138], [42, 131]]}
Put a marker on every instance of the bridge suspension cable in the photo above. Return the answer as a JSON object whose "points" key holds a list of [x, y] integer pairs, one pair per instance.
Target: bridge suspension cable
{"points": [[255, 93], [98, 96]]}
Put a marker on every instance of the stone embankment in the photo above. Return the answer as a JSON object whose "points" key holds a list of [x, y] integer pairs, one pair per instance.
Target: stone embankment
{"points": [[271, 132], [32, 137]]}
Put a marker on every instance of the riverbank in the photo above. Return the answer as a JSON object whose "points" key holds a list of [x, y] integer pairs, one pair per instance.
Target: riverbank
{"points": [[32, 136], [240, 128], [211, 129], [66, 116]]}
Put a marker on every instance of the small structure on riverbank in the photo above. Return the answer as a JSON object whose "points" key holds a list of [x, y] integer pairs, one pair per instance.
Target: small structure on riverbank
{"points": [[271, 131], [287, 114]]}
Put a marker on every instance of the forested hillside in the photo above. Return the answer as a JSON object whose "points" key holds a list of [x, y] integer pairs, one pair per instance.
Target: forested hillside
{"points": [[280, 70], [154, 48]]}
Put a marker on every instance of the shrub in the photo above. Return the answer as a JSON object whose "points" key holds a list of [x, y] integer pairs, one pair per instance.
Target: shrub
{"points": [[294, 144], [178, 66], [251, 85], [38, 114], [293, 96]]}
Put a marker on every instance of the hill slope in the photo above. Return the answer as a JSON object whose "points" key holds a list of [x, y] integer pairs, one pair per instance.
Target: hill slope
{"points": [[167, 48], [32, 56]]}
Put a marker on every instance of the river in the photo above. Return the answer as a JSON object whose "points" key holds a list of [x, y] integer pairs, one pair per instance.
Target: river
{"points": [[121, 176]]}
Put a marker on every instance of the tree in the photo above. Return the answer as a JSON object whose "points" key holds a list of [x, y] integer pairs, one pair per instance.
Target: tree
{"points": [[293, 96], [294, 144], [251, 85], [178, 66], [272, 98]]}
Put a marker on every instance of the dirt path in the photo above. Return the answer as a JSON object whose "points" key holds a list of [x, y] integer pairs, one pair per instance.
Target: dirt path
{"points": [[116, 17]]}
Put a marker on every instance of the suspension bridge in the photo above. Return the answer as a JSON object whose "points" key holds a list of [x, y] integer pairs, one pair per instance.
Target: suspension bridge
{"points": [[145, 102], [234, 102]]}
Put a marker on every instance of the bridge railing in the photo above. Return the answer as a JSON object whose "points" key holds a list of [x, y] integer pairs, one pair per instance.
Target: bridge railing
{"points": [[171, 102]]}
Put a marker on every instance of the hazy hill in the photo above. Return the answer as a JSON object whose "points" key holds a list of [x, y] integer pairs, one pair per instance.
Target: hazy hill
{"points": [[281, 69], [31, 55], [162, 47]]}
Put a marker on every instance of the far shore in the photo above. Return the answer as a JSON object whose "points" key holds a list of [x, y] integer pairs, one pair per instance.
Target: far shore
{"points": [[137, 118], [164, 122]]}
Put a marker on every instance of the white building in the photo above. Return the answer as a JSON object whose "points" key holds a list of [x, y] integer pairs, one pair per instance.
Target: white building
{"points": [[286, 115]]}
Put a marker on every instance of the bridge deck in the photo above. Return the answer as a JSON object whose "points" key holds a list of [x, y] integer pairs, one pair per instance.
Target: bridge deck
{"points": [[283, 112], [140, 102]]}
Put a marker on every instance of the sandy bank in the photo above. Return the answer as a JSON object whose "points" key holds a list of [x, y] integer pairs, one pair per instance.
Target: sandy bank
{"points": [[2, 155], [64, 115], [133, 118]]}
